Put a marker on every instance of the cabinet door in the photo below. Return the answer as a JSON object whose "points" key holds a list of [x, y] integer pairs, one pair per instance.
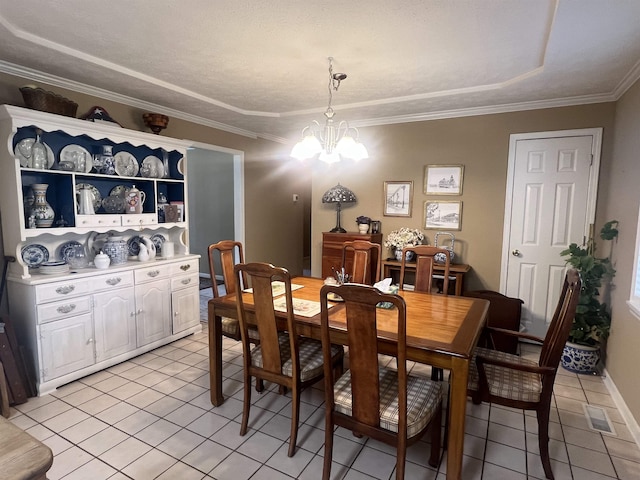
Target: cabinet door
{"points": [[66, 346], [186, 308], [114, 314], [153, 311]]}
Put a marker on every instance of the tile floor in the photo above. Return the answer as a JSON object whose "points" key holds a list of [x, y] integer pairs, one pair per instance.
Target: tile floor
{"points": [[151, 418]]}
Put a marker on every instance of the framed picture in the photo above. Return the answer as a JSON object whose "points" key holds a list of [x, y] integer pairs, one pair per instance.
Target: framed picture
{"points": [[442, 215], [443, 179], [398, 199]]}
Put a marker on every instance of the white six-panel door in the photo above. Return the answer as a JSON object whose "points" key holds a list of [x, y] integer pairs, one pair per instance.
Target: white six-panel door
{"points": [[550, 203]]}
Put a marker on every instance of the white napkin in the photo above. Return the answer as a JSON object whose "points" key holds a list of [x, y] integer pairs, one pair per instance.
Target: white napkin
{"points": [[385, 286]]}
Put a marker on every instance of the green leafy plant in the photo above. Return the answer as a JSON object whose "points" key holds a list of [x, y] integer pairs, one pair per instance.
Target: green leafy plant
{"points": [[592, 321]]}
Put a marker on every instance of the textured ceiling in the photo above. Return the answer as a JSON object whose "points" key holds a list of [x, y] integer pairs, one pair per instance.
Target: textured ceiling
{"points": [[260, 68]]}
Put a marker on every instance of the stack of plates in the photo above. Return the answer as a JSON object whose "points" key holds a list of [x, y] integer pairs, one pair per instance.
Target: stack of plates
{"points": [[54, 268]]}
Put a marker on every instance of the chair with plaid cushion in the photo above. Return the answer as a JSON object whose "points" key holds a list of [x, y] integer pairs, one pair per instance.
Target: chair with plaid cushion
{"points": [[226, 251], [507, 379], [365, 254], [284, 358], [382, 403], [425, 260], [426, 257]]}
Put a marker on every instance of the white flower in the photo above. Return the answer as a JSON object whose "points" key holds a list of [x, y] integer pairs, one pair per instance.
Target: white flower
{"points": [[398, 239]]}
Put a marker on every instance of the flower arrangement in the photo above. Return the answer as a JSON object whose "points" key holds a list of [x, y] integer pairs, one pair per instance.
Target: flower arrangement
{"points": [[398, 239], [363, 220]]}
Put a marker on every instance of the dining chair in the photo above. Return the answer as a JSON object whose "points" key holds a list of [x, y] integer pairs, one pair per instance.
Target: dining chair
{"points": [[370, 399], [284, 358], [365, 254], [509, 380], [226, 251], [425, 260]]}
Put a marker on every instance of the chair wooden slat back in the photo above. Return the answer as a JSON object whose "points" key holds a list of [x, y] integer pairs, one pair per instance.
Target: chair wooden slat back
{"points": [[277, 357], [226, 251], [510, 380], [560, 325], [365, 254], [356, 401], [260, 277], [425, 262]]}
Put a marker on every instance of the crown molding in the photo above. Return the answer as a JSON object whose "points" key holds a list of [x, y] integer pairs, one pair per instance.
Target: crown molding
{"points": [[627, 82], [34, 75], [53, 80], [489, 110]]}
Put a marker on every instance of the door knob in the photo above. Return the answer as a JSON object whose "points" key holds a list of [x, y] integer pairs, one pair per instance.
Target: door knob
{"points": [[516, 253]]}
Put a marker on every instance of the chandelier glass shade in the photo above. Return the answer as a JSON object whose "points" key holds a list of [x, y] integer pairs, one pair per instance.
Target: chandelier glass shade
{"points": [[330, 142]]}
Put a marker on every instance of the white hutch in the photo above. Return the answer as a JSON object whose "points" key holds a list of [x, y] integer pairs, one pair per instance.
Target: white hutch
{"points": [[84, 320]]}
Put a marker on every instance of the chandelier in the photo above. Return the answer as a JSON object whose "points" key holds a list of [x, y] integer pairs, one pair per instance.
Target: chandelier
{"points": [[331, 142]]}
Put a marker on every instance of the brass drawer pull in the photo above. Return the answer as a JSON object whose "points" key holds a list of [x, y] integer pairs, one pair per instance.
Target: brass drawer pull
{"points": [[186, 281], [184, 268], [66, 289], [154, 273], [113, 281], [66, 308]]}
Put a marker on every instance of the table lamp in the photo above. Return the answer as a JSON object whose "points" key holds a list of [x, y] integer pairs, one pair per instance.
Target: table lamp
{"points": [[338, 195]]}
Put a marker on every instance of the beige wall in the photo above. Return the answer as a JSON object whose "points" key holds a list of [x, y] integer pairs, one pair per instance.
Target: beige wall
{"points": [[620, 200], [400, 152]]}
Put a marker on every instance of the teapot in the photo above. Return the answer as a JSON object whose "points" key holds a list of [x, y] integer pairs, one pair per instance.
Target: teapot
{"points": [[135, 199], [84, 202]]}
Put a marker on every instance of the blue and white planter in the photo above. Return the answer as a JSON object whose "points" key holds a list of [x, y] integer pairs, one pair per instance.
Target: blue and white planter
{"points": [[580, 358]]}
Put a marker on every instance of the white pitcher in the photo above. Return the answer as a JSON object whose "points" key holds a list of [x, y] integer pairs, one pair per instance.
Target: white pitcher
{"points": [[84, 202]]}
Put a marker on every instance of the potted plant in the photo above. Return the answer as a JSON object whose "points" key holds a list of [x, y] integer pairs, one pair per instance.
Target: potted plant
{"points": [[592, 320], [404, 237], [363, 223]]}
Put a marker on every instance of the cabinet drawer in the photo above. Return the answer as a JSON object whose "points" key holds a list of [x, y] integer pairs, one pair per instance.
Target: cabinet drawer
{"points": [[60, 290], [185, 281], [98, 220], [66, 308], [111, 281], [185, 266], [139, 219], [149, 274]]}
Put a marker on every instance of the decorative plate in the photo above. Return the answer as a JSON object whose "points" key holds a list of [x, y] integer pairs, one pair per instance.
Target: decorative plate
{"points": [[158, 239], [181, 166], [66, 250], [70, 153], [34, 255], [133, 245], [24, 145], [126, 164], [119, 191], [152, 167], [97, 198]]}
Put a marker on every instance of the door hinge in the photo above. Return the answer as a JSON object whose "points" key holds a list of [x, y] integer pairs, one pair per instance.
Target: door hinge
{"points": [[591, 159]]}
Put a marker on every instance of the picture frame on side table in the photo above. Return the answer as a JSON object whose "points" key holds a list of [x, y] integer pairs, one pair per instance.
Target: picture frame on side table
{"points": [[398, 198], [443, 179], [443, 215]]}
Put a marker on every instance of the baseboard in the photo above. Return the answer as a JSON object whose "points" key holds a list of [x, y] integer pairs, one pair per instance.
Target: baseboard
{"points": [[629, 419]]}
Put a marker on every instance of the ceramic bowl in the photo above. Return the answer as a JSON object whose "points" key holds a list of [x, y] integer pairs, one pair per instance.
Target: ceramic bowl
{"points": [[113, 204]]}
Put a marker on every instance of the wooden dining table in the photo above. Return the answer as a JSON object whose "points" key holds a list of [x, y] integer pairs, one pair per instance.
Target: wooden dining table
{"points": [[442, 331]]}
